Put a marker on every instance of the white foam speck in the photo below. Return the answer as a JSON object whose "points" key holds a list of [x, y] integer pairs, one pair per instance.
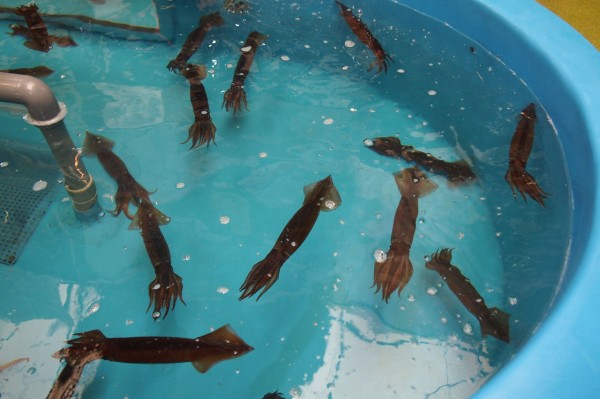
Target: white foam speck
{"points": [[284, 58], [3, 164], [368, 142], [180, 185], [512, 301], [246, 49], [380, 255], [40, 185], [263, 155], [432, 92], [185, 258], [223, 290], [328, 121], [400, 70], [224, 219], [349, 43], [468, 329]]}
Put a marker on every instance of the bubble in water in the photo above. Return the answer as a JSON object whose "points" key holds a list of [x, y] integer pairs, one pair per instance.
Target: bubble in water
{"points": [[40, 185], [307, 46], [224, 219], [349, 43], [368, 142], [427, 258], [229, 65], [329, 204], [284, 58], [353, 109], [411, 298], [128, 322], [468, 329], [444, 320], [432, 290], [180, 185], [461, 235], [295, 393], [432, 92], [380, 255], [185, 258], [246, 49], [31, 370], [345, 68], [3, 164], [223, 290], [400, 70], [421, 221], [378, 215], [263, 155], [328, 121], [156, 315], [513, 301]]}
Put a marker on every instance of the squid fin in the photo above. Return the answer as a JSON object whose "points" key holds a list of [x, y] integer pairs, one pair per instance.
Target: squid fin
{"points": [[230, 344]]}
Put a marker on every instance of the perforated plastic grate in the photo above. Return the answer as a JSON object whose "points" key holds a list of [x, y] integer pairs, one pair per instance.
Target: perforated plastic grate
{"points": [[21, 206]]}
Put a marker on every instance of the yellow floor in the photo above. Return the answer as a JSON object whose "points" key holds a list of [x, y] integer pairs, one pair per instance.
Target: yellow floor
{"points": [[583, 15]]}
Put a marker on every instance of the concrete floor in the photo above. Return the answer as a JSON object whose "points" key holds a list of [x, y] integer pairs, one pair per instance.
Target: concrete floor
{"points": [[583, 15]]}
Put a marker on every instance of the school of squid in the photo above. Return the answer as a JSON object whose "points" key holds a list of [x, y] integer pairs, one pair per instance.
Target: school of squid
{"points": [[391, 273]]}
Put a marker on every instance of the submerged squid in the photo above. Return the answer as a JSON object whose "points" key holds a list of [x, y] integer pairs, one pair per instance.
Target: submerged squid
{"points": [[167, 286], [236, 6], [274, 395], [194, 40], [492, 321], [518, 155], [457, 172], [235, 95], [394, 272], [364, 35], [203, 129], [36, 32], [129, 190], [318, 196], [40, 71], [203, 352]]}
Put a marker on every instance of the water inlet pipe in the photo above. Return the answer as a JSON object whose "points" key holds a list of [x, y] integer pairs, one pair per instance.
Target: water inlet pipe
{"points": [[46, 113]]}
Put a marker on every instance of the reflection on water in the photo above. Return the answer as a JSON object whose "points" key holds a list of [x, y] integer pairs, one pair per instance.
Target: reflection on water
{"points": [[36, 340], [409, 366], [131, 106]]}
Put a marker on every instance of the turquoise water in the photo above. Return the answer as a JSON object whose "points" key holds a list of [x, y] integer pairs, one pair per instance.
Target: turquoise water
{"points": [[320, 331]]}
